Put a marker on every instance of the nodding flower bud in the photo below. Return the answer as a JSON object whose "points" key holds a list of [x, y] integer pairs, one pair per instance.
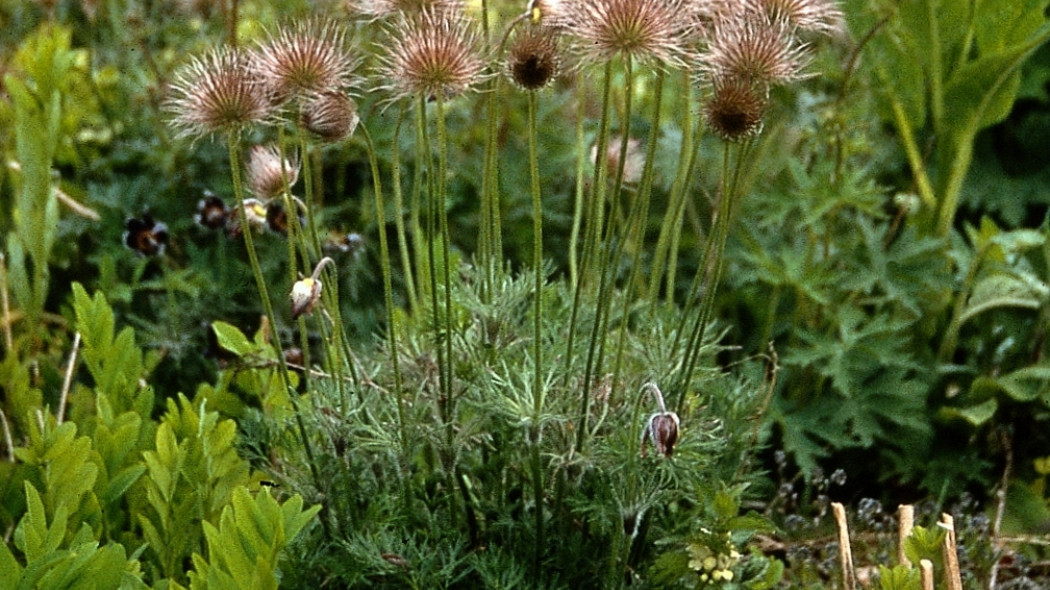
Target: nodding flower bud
{"points": [[662, 427], [306, 292], [254, 213]]}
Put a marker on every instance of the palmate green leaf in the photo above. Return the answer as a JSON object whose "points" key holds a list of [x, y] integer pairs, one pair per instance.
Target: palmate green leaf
{"points": [[908, 272], [924, 543], [900, 577]]}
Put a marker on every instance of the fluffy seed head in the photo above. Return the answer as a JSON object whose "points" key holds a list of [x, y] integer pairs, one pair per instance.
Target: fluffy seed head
{"points": [[377, 9], [820, 16], [647, 31], [311, 56], [735, 109], [431, 53], [267, 171], [330, 115], [217, 93], [756, 49], [533, 60]]}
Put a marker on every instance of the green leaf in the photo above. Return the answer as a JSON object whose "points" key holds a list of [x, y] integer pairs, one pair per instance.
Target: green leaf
{"points": [[1002, 289], [232, 339], [770, 576], [924, 543], [1026, 384], [982, 92], [976, 415], [901, 577], [10, 569], [999, 24], [119, 483]]}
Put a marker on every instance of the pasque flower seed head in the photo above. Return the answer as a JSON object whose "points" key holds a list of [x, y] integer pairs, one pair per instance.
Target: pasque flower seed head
{"points": [[754, 48], [735, 109], [533, 59], [311, 56], [217, 93], [649, 31], [330, 115], [269, 173], [430, 54]]}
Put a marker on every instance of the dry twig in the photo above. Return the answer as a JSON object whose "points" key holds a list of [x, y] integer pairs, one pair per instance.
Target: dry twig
{"points": [[953, 578], [849, 576]]}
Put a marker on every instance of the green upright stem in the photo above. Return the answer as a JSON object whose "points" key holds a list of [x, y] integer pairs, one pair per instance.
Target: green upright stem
{"points": [[388, 289], [639, 216], [592, 220], [730, 182], [399, 208], [537, 328], [578, 190], [264, 294], [441, 202], [596, 344], [671, 225]]}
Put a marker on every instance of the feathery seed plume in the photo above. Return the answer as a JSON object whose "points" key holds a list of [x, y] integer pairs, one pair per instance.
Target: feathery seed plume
{"points": [[735, 109], [312, 56], [432, 53], [756, 49], [217, 93], [533, 60], [331, 115], [268, 171], [658, 32]]}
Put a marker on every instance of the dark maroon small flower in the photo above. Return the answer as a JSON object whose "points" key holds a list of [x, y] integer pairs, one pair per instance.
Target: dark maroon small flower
{"points": [[662, 431], [662, 427], [145, 236], [211, 211]]}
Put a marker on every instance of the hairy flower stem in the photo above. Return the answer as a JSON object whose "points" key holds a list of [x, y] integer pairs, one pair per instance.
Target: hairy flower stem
{"points": [[638, 216], [538, 393], [489, 249], [730, 184], [388, 289], [264, 294], [670, 227], [606, 264], [592, 220], [337, 347], [578, 190], [442, 209], [399, 220]]}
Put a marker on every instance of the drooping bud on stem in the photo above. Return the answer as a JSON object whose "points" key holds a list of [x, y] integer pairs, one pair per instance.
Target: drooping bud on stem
{"points": [[306, 292], [662, 427]]}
